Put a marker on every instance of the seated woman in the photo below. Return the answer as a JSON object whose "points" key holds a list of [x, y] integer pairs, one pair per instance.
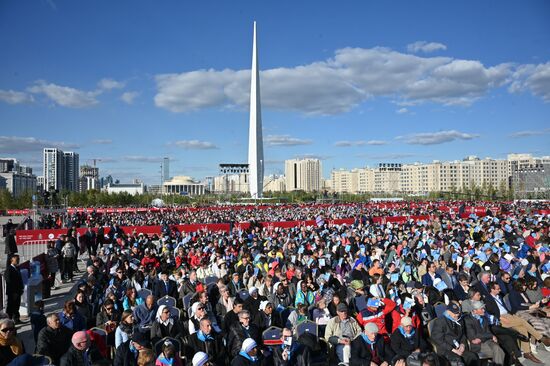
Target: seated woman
{"points": [[10, 345], [168, 356], [522, 307], [84, 308], [297, 316], [70, 318], [125, 329], [165, 326], [131, 300], [108, 319], [321, 315]]}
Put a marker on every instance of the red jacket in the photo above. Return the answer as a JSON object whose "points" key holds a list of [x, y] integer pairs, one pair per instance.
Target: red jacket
{"points": [[150, 260], [378, 317]]}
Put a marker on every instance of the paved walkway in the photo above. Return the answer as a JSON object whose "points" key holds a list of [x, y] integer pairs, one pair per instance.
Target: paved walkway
{"points": [[54, 304]]}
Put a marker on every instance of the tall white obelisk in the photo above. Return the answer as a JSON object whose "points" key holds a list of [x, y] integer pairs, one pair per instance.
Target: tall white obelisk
{"points": [[255, 139]]}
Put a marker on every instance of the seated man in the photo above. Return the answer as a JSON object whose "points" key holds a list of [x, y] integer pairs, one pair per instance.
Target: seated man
{"points": [[144, 314], [407, 340], [290, 352], [449, 337], [53, 340], [340, 331], [242, 330], [209, 342], [480, 336], [370, 349], [495, 306]]}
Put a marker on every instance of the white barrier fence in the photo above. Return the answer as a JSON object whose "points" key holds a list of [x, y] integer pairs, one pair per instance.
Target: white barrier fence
{"points": [[31, 248]]}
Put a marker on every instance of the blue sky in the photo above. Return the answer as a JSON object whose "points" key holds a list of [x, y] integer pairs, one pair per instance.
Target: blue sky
{"points": [[353, 83]]}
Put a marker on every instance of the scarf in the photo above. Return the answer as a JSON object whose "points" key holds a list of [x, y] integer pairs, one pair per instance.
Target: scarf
{"points": [[410, 335], [446, 314], [204, 337], [165, 361], [479, 318], [368, 341], [126, 328], [248, 357], [15, 345]]}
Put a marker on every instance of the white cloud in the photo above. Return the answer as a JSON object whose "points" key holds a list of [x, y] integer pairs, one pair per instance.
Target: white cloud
{"points": [[16, 144], [195, 145], [102, 141], [143, 159], [15, 97], [402, 111], [337, 84], [109, 84], [128, 97], [66, 96], [529, 133], [434, 138], [423, 46], [377, 142], [349, 143], [535, 78], [313, 156], [391, 156], [285, 140]]}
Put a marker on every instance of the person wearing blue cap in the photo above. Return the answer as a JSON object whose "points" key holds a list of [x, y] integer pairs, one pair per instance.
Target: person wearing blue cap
{"points": [[449, 337]]}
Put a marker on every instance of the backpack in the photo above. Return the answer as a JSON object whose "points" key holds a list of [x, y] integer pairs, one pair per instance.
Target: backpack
{"points": [[68, 251]]}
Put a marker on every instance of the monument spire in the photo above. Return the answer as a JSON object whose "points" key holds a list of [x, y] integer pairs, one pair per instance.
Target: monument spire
{"points": [[255, 139]]}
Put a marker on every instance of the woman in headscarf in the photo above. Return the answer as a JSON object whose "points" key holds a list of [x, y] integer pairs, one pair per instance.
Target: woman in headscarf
{"points": [[70, 318], [125, 329], [10, 345], [304, 295], [164, 325]]}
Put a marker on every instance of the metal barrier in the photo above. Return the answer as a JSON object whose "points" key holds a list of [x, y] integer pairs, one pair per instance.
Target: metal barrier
{"points": [[31, 248]]}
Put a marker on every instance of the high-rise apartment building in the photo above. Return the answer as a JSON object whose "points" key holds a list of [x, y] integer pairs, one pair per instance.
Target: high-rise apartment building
{"points": [[72, 168], [165, 169], [303, 174], [89, 178], [60, 170], [17, 179]]}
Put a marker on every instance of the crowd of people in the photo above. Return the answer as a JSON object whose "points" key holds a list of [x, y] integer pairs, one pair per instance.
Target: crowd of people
{"points": [[225, 214], [448, 290]]}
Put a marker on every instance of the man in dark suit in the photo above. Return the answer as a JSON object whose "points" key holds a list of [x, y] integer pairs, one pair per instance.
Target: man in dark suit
{"points": [[429, 277], [166, 286], [208, 341], [370, 348], [449, 337], [482, 284], [14, 288], [480, 336]]}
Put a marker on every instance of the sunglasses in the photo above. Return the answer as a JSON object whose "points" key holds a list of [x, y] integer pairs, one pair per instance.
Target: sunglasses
{"points": [[109, 308], [201, 308], [5, 330]]}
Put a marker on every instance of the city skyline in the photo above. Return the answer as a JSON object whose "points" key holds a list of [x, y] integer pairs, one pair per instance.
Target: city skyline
{"points": [[353, 85]]}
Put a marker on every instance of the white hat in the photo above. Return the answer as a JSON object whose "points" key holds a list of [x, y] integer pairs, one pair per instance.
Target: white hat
{"points": [[199, 359], [248, 345], [263, 304], [195, 306], [252, 290]]}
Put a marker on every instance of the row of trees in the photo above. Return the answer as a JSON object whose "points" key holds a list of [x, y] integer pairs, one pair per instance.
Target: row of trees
{"points": [[97, 198]]}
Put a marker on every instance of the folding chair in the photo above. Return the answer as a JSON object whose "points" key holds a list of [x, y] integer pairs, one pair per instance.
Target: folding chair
{"points": [[143, 293], [175, 313], [210, 280], [272, 336], [307, 327], [440, 308], [167, 300], [45, 360], [243, 294], [187, 301], [430, 327]]}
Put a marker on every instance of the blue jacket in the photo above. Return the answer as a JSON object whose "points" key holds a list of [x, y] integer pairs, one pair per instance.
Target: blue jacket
{"points": [[76, 323], [143, 316]]}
